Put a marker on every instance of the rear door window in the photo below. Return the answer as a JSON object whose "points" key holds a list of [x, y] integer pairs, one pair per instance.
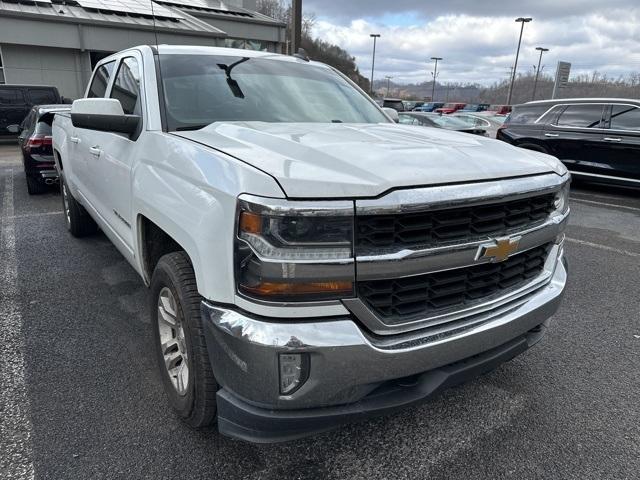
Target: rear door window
{"points": [[527, 114], [581, 116], [11, 96], [625, 117], [41, 96], [100, 80]]}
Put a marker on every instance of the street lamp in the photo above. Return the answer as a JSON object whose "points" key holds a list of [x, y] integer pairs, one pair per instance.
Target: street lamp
{"points": [[535, 83], [388, 77], [435, 74], [375, 36], [522, 20]]}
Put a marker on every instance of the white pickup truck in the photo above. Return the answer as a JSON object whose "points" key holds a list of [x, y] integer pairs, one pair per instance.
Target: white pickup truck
{"points": [[310, 261]]}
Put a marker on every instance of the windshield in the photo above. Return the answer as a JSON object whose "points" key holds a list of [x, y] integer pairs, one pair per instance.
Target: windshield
{"points": [[203, 89]]}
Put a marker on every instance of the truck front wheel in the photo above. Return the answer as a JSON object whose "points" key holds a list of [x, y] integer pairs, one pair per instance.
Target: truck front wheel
{"points": [[181, 350]]}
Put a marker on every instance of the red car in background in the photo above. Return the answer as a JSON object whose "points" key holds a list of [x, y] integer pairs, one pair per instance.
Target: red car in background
{"points": [[500, 109], [451, 107]]}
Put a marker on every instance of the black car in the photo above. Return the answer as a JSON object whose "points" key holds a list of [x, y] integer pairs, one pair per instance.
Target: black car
{"points": [[439, 121], [17, 100], [37, 149], [597, 139]]}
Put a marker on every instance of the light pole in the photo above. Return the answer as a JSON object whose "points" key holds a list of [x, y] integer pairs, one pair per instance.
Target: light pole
{"points": [[375, 36], [522, 20], [435, 74], [388, 77], [535, 83]]}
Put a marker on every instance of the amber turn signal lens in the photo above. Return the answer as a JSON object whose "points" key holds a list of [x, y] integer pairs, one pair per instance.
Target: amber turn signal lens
{"points": [[250, 222], [273, 289]]}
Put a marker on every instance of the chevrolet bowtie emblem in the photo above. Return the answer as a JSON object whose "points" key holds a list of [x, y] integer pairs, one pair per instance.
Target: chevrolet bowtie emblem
{"points": [[499, 250]]}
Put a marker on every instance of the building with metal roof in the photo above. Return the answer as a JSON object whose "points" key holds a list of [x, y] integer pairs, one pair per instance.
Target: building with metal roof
{"points": [[58, 42]]}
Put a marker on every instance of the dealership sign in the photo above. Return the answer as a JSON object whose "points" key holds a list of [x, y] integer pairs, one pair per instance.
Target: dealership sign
{"points": [[562, 77]]}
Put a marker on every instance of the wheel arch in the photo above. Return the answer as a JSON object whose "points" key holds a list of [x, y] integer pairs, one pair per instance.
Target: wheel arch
{"points": [[155, 241]]}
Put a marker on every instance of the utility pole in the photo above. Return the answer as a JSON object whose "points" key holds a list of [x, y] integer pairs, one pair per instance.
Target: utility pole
{"points": [[388, 77], [535, 83], [296, 23], [375, 36], [435, 75], [522, 21]]}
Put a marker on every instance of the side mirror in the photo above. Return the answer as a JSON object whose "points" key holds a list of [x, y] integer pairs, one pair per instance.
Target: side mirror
{"points": [[392, 113], [15, 128], [103, 114]]}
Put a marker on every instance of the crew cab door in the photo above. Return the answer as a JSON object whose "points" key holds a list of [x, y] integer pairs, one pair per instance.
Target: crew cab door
{"points": [[111, 156], [622, 134], [575, 137], [82, 139]]}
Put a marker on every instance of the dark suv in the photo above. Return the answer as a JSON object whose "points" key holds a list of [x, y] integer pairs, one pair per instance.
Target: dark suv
{"points": [[597, 139], [17, 100]]}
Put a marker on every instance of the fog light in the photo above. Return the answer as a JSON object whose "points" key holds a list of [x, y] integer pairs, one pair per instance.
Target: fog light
{"points": [[293, 371]]}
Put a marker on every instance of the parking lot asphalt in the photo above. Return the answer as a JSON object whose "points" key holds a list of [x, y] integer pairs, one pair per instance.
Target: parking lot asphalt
{"points": [[81, 398]]}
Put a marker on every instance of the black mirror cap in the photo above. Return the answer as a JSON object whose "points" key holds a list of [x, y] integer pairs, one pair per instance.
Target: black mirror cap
{"points": [[106, 123]]}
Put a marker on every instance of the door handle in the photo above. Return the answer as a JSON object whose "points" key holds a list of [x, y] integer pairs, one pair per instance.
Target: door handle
{"points": [[612, 139], [551, 134], [74, 139], [95, 151]]}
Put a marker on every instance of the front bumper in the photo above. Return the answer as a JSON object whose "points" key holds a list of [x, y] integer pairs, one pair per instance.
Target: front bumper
{"points": [[353, 373]]}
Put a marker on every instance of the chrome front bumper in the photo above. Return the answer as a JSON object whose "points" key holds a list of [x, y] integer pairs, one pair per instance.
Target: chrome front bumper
{"points": [[346, 362]]}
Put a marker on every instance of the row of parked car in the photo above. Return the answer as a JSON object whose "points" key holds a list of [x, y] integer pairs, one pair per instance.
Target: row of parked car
{"points": [[27, 111], [598, 139], [444, 107]]}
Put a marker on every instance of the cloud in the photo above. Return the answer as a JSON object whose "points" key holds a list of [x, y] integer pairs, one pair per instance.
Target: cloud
{"points": [[340, 10], [478, 47]]}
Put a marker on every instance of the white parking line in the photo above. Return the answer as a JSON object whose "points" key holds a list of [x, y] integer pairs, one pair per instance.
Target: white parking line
{"points": [[603, 247], [15, 426], [602, 204]]}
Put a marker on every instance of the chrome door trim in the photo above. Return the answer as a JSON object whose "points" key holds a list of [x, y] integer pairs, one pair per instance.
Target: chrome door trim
{"points": [[598, 175]]}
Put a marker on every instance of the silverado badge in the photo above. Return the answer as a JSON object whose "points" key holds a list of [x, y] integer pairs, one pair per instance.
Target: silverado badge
{"points": [[498, 250]]}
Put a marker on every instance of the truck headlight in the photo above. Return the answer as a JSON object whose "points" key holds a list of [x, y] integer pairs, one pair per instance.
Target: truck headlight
{"points": [[294, 251], [561, 200]]}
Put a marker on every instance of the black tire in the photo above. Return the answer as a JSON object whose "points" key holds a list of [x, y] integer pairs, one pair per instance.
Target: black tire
{"points": [[34, 187], [78, 221], [197, 406]]}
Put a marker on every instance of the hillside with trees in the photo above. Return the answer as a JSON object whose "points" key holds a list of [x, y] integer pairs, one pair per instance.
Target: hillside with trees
{"points": [[584, 85]]}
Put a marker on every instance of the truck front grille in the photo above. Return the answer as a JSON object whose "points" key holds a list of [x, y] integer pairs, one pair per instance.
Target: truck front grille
{"points": [[405, 230], [400, 299]]}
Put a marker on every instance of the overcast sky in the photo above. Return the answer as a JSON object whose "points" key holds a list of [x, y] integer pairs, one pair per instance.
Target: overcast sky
{"points": [[478, 38]]}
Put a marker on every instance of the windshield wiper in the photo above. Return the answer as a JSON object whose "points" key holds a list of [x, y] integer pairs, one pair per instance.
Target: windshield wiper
{"points": [[233, 85]]}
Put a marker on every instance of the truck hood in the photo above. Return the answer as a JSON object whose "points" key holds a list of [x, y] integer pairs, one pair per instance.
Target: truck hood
{"points": [[311, 160]]}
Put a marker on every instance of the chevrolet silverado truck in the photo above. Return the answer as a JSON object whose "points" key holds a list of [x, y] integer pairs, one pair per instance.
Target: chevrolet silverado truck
{"points": [[310, 262]]}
